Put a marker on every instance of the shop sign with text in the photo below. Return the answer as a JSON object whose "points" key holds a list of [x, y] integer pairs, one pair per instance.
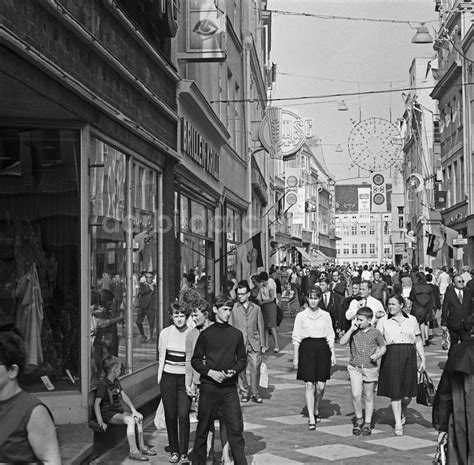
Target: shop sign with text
{"points": [[194, 146]]}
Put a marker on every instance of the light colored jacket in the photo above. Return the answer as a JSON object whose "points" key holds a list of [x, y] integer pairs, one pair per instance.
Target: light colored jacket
{"points": [[162, 345], [250, 323]]}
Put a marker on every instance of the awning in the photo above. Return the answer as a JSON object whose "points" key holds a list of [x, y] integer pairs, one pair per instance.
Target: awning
{"points": [[321, 255], [306, 256]]}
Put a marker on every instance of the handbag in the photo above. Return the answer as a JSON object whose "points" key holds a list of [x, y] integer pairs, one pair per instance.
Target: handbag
{"points": [[95, 426], [263, 383], [426, 390], [279, 315], [160, 417]]}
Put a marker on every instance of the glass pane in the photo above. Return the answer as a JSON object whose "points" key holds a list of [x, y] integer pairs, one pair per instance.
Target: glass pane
{"points": [[198, 218], [108, 254], [210, 223], [40, 251], [145, 248], [193, 258], [184, 213]]}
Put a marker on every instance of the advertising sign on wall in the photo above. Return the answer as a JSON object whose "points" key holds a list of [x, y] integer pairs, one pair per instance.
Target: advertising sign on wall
{"points": [[363, 203], [205, 31]]}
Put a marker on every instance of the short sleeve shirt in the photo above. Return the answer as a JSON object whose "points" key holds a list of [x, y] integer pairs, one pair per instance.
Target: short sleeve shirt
{"points": [[104, 385], [403, 331], [363, 344]]}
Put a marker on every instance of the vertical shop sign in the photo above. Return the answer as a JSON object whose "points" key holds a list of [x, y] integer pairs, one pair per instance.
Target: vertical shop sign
{"points": [[363, 204]]}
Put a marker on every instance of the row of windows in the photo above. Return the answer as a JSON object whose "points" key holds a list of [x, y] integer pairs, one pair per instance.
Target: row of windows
{"points": [[348, 249], [361, 230]]}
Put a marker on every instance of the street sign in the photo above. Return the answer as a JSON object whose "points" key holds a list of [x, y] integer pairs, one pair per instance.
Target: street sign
{"points": [[462, 241]]}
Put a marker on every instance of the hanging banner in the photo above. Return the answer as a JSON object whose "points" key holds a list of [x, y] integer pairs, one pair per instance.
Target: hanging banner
{"points": [[298, 209], [205, 31], [363, 204], [379, 194]]}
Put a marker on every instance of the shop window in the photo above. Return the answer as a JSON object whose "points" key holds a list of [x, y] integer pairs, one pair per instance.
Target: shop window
{"points": [[197, 250], [40, 251], [112, 223]]}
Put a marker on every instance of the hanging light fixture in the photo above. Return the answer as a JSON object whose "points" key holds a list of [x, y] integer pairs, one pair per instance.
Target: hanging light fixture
{"points": [[422, 35], [342, 106]]}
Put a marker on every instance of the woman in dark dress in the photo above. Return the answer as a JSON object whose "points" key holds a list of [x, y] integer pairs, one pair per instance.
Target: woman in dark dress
{"points": [[313, 352]]}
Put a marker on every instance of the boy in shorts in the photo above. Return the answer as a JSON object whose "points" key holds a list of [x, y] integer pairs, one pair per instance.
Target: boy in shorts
{"points": [[108, 409], [367, 347]]}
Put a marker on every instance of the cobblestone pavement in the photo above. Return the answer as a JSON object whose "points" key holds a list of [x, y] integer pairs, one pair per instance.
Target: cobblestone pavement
{"points": [[276, 432]]}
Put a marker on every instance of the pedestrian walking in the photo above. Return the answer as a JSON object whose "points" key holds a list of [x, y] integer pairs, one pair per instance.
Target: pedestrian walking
{"points": [[27, 428], [367, 346], [313, 352], [366, 300], [421, 295], [267, 301], [247, 317], [202, 318], [457, 312], [171, 378], [398, 371], [219, 357]]}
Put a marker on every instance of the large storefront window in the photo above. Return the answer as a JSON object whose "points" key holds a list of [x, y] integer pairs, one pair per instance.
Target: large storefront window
{"points": [[123, 259], [234, 238], [197, 246], [40, 250]]}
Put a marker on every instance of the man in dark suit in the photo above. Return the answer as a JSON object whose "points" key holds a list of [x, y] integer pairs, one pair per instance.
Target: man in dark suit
{"points": [[331, 302], [457, 312]]}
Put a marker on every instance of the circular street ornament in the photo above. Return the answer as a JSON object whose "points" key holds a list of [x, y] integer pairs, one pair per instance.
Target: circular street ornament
{"points": [[378, 199], [375, 144], [415, 182], [291, 181], [378, 179], [291, 198]]}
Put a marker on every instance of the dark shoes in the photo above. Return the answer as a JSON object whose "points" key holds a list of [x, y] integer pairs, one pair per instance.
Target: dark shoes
{"points": [[257, 399], [357, 429], [185, 460], [366, 430], [174, 458], [244, 398]]}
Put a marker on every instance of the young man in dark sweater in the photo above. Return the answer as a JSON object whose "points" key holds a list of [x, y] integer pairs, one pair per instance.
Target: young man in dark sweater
{"points": [[219, 356]]}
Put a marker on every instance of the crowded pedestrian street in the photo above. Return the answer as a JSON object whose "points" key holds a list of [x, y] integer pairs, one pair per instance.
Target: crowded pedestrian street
{"points": [[276, 432]]}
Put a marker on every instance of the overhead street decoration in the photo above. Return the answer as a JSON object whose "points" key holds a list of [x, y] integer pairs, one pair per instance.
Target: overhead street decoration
{"points": [[375, 144]]}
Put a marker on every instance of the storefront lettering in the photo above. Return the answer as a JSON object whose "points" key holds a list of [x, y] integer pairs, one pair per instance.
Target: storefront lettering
{"points": [[196, 147]]}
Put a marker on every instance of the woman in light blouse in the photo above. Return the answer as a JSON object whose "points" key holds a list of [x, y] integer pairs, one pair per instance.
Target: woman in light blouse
{"points": [[398, 371], [313, 352]]}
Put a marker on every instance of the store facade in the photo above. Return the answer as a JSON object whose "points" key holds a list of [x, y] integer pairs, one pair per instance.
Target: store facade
{"points": [[198, 191], [86, 194]]}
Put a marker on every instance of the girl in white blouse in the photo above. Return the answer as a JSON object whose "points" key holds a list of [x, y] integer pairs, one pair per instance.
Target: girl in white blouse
{"points": [[313, 352]]}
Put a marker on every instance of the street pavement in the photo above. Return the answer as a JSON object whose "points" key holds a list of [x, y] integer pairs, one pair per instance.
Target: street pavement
{"points": [[276, 432]]}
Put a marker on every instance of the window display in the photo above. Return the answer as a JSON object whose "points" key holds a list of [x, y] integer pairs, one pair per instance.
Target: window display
{"points": [[115, 224], [39, 252]]}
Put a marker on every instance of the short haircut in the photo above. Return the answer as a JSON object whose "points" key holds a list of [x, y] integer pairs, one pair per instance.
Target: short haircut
{"points": [[399, 298], [202, 305], [178, 307], [365, 311], [223, 301], [105, 297], [263, 276], [12, 351], [325, 280], [244, 284], [429, 278], [369, 284], [110, 362]]}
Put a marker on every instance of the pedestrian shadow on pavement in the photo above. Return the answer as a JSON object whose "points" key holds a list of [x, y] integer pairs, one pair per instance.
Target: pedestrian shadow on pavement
{"points": [[384, 416], [327, 409], [254, 442]]}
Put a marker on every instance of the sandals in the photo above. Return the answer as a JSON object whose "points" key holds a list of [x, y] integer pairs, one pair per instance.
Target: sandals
{"points": [[399, 431], [366, 430], [357, 429], [317, 417], [311, 426]]}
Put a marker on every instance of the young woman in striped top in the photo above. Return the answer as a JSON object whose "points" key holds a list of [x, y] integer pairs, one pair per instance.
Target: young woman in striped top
{"points": [[171, 378]]}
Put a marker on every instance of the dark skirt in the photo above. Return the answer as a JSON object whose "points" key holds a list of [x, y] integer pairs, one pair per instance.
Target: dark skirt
{"points": [[269, 312], [398, 372], [314, 360]]}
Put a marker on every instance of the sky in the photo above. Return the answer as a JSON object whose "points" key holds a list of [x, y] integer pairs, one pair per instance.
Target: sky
{"points": [[330, 52]]}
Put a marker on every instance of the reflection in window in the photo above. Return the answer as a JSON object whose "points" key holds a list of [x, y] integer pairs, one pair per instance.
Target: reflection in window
{"points": [[40, 251], [110, 228]]}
